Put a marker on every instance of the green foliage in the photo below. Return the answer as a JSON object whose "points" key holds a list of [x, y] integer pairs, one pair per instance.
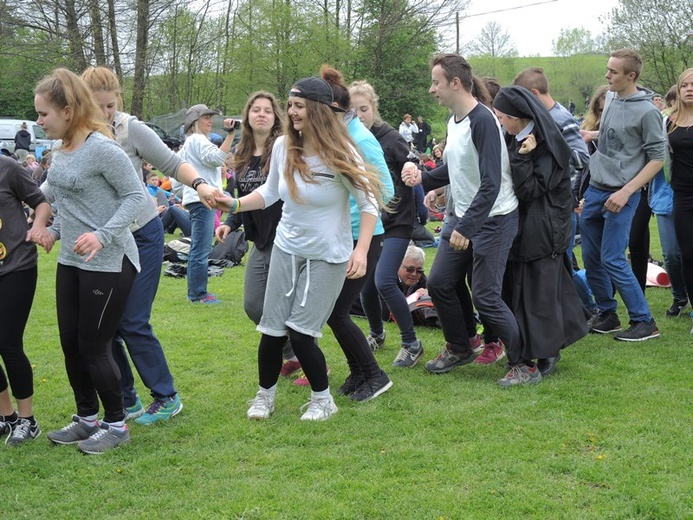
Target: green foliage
{"points": [[574, 41]]}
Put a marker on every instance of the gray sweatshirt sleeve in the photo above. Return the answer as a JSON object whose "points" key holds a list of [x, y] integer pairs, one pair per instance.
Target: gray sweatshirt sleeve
{"points": [[149, 147]]}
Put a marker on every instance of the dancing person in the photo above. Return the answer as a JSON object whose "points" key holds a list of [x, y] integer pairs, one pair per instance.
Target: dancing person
{"points": [[539, 285], [135, 331], [18, 275], [630, 151], [98, 260], [314, 168]]}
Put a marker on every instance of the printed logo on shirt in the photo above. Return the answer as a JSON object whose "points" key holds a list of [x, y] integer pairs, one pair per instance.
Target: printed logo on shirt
{"points": [[3, 251]]}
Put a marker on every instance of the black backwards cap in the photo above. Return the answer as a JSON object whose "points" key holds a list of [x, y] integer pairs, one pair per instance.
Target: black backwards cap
{"points": [[315, 89]]}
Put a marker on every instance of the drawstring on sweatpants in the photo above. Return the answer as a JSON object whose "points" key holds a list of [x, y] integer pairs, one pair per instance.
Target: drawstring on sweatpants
{"points": [[293, 279]]}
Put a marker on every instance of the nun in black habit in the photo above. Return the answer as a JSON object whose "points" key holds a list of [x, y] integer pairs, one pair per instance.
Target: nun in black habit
{"points": [[539, 285]]}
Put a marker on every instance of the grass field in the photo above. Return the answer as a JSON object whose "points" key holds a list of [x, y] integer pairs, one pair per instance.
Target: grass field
{"points": [[608, 436]]}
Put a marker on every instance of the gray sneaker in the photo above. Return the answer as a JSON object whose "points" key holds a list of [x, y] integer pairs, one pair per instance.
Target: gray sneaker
{"points": [[521, 375], [447, 360], [104, 439], [74, 432], [409, 355], [23, 431]]}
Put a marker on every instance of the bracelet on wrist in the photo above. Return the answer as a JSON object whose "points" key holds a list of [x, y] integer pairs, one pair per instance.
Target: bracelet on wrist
{"points": [[196, 183], [237, 206]]}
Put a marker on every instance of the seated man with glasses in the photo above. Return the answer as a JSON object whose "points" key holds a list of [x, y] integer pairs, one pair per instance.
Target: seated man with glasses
{"points": [[411, 273]]}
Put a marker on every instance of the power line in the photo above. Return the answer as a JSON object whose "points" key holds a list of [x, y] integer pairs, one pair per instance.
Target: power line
{"points": [[454, 22]]}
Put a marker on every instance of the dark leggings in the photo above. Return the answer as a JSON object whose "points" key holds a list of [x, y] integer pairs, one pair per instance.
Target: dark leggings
{"points": [[90, 305], [349, 336], [639, 240], [312, 360], [16, 296], [683, 216]]}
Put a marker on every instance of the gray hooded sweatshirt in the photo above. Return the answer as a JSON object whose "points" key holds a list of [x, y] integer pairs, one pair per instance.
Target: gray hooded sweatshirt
{"points": [[631, 134]]}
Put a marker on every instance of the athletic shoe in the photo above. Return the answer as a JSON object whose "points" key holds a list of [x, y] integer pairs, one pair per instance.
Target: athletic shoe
{"points": [[372, 388], [319, 409], [639, 331], [676, 308], [302, 380], [261, 406], [492, 353], [210, 299], [22, 431], [476, 343], [104, 439], [447, 360], [134, 411], [409, 355], [290, 367], [376, 341], [161, 410], [606, 323], [78, 430], [548, 366], [351, 384], [6, 426], [521, 375]]}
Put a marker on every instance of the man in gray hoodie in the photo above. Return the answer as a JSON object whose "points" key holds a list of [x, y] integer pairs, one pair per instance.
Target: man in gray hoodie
{"points": [[631, 146]]}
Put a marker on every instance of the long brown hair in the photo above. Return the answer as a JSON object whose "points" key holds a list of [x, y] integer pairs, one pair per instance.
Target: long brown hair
{"points": [[594, 114], [679, 106], [333, 145], [63, 88], [246, 146]]}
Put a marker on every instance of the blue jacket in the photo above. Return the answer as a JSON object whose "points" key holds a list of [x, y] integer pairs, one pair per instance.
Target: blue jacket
{"points": [[661, 196]]}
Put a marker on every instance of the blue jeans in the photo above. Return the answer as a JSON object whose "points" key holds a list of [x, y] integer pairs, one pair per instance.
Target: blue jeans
{"points": [[672, 256], [583, 290], [384, 282], [135, 330], [604, 241], [200, 247], [175, 217]]}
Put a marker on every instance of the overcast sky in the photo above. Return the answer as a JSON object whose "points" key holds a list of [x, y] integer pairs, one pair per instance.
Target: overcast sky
{"points": [[535, 25]]}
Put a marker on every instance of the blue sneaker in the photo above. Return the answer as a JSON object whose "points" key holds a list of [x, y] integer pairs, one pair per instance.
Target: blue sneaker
{"points": [[134, 411], [161, 410], [210, 299]]}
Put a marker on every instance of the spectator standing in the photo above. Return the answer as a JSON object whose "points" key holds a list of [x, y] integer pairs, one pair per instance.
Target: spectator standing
{"points": [[408, 130], [22, 140], [421, 139], [630, 152]]}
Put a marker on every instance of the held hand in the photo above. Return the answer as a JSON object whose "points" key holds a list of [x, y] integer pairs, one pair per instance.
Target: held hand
{"points": [[411, 175], [356, 268], [589, 135], [616, 201], [224, 202], [41, 236], [430, 200], [529, 144], [87, 244], [208, 195], [222, 232], [458, 241]]}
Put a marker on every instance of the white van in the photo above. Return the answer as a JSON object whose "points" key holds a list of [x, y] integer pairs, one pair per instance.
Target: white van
{"points": [[10, 127]]}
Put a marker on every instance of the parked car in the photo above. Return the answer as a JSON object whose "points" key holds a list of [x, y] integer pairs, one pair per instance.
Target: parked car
{"points": [[10, 127], [172, 142]]}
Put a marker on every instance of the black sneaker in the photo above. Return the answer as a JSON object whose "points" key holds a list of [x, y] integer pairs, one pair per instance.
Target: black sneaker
{"points": [[606, 323], [676, 308], [639, 331], [372, 388], [447, 360], [376, 341], [23, 431], [350, 385], [548, 366]]}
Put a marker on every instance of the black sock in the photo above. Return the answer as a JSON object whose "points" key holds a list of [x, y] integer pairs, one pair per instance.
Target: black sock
{"points": [[31, 419], [9, 418]]}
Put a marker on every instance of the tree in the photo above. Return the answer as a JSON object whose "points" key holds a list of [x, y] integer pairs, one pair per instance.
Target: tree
{"points": [[573, 41], [658, 30], [494, 42]]}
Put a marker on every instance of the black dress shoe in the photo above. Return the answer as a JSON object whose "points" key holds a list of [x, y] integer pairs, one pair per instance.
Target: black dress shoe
{"points": [[548, 366]]}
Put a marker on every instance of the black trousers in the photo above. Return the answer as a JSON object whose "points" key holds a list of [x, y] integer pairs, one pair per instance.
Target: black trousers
{"points": [[90, 305], [16, 296]]}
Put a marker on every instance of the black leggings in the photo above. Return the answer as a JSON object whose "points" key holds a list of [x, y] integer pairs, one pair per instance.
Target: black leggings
{"points": [[683, 216], [90, 305], [639, 240], [269, 359], [16, 296], [350, 337]]}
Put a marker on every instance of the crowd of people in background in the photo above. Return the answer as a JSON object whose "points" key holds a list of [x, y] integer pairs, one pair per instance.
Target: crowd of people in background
{"points": [[334, 200]]}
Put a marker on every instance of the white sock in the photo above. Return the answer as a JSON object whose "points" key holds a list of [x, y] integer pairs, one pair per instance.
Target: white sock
{"points": [[91, 420], [271, 391], [118, 425], [320, 395]]}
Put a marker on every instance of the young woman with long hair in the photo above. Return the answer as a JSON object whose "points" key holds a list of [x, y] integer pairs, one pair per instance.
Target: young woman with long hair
{"points": [[680, 134], [141, 144], [314, 168], [98, 260]]}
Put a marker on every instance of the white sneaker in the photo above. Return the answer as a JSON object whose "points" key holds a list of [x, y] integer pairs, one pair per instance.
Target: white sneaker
{"points": [[319, 409], [261, 406]]}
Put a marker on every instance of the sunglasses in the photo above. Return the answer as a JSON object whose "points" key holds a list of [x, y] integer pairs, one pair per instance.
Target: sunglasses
{"points": [[412, 270]]}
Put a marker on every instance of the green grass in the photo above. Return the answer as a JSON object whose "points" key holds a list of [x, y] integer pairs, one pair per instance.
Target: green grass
{"points": [[609, 436]]}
